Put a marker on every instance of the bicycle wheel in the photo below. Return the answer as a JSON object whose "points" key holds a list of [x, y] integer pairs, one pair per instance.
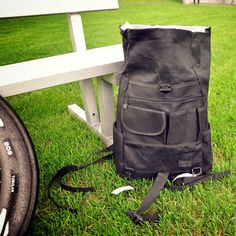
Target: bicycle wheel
{"points": [[18, 173]]}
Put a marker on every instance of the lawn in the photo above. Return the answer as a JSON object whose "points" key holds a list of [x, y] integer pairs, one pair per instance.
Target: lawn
{"points": [[59, 139]]}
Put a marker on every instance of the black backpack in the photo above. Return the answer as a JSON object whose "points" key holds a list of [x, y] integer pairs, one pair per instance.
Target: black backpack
{"points": [[162, 128]]}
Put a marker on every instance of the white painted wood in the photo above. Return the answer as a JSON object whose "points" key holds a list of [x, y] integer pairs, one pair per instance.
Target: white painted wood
{"points": [[79, 113], [106, 106], [14, 8], [79, 66], [47, 72], [86, 86], [89, 101], [112, 79], [76, 32]]}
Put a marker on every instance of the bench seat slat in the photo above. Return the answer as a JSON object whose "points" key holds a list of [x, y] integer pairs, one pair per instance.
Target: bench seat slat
{"points": [[46, 72]]}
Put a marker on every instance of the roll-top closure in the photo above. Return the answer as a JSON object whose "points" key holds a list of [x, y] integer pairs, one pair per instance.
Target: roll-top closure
{"points": [[202, 29], [156, 31]]}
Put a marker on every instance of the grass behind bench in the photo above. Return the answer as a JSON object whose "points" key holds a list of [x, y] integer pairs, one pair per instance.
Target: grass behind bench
{"points": [[207, 209]]}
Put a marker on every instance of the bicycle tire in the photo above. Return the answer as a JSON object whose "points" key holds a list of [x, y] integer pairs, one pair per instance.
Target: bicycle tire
{"points": [[19, 173]]}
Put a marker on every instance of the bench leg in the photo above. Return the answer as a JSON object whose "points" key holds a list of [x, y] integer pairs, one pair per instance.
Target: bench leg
{"points": [[89, 101], [103, 129], [90, 113], [106, 107]]}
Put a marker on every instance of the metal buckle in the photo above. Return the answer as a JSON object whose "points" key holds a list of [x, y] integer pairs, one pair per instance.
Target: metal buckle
{"points": [[136, 219], [196, 171]]}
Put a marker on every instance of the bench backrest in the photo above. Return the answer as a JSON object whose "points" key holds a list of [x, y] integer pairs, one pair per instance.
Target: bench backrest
{"points": [[56, 73], [17, 8]]}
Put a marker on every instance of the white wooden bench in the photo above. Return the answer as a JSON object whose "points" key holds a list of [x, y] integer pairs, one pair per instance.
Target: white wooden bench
{"points": [[80, 65]]}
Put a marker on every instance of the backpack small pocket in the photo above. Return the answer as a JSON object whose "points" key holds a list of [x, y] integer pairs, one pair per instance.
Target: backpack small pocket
{"points": [[142, 121], [182, 127]]}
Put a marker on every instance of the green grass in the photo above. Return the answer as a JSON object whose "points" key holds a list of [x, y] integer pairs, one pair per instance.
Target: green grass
{"points": [[59, 139]]}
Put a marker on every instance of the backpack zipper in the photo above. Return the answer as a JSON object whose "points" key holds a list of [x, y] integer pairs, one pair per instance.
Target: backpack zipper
{"points": [[160, 100]]}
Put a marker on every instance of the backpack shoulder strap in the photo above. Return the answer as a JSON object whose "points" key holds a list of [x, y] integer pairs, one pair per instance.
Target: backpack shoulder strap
{"points": [[159, 184], [153, 193], [72, 168]]}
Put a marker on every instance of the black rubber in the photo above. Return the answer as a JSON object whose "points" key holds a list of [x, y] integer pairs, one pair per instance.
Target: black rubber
{"points": [[19, 173]]}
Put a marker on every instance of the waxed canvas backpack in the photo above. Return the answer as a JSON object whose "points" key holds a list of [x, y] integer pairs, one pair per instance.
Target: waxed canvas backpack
{"points": [[162, 123], [162, 128]]}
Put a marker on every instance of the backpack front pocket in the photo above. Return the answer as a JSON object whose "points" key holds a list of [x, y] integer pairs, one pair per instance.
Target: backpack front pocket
{"points": [[147, 160], [143, 121], [182, 127], [186, 126]]}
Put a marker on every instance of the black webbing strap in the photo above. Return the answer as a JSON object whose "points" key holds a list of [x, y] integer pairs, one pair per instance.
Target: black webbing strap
{"points": [[153, 193], [72, 168], [160, 184], [199, 179]]}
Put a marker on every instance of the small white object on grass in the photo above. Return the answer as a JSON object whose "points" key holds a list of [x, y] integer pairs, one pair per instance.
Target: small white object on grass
{"points": [[122, 189]]}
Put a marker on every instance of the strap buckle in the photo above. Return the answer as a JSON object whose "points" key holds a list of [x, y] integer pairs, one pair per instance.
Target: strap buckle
{"points": [[165, 88], [196, 171], [136, 218]]}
